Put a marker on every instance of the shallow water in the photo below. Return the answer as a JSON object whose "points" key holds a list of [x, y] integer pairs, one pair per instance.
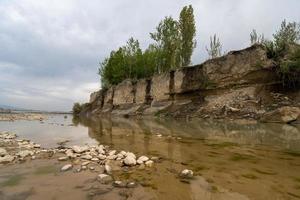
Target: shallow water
{"points": [[231, 160]]}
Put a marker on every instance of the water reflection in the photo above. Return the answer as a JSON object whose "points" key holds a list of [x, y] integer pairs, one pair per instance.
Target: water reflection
{"points": [[240, 132]]}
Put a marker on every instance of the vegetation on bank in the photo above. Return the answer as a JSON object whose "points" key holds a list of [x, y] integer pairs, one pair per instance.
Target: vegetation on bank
{"points": [[174, 42], [77, 108]]}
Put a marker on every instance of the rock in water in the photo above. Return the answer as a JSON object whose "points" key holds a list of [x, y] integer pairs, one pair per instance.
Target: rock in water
{"points": [[104, 178], [142, 159], [149, 163], [130, 161], [107, 169], [64, 158], [186, 173], [284, 114], [66, 167]]}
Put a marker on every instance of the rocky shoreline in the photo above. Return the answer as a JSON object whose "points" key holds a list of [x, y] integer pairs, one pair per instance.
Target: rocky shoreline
{"points": [[22, 116], [94, 158]]}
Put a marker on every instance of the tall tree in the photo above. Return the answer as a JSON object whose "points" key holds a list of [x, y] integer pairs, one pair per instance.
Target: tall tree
{"points": [[215, 47], [188, 33], [167, 37]]}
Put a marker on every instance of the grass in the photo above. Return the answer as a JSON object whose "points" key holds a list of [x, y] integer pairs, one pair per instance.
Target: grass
{"points": [[12, 181]]}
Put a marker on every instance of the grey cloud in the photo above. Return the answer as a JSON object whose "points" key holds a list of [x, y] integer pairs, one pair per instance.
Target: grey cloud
{"points": [[50, 49]]}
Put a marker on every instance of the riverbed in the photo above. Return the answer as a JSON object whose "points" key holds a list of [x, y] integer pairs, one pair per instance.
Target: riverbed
{"points": [[230, 159]]}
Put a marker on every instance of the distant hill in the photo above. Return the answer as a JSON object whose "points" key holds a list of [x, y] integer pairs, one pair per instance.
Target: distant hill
{"points": [[10, 107]]}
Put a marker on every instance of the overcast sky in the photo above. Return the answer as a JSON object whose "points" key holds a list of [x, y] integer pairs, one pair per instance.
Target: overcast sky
{"points": [[50, 49]]}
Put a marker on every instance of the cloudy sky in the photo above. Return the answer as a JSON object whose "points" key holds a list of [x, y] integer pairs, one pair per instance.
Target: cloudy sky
{"points": [[50, 49]]}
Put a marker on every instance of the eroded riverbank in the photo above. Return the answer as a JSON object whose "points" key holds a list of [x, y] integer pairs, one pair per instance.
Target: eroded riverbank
{"points": [[232, 160]]}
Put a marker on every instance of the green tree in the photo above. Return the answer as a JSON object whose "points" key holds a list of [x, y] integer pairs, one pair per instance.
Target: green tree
{"points": [[76, 108], [215, 47], [167, 37], [187, 29]]}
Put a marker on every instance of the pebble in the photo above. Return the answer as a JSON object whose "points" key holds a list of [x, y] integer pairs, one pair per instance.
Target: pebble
{"points": [[142, 159], [66, 167], [104, 178], [186, 173], [102, 157], [79, 149], [64, 158], [95, 159], [86, 157], [119, 184], [84, 167], [85, 163], [149, 163], [92, 168], [107, 169], [111, 153]]}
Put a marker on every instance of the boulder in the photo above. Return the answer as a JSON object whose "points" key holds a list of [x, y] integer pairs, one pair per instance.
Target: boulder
{"points": [[130, 161], [284, 114]]}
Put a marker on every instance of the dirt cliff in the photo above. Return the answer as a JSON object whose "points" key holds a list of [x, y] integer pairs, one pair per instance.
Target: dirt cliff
{"points": [[241, 84]]}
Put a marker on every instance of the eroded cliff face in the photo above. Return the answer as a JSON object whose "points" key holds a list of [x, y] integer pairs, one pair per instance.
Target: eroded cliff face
{"points": [[241, 84]]}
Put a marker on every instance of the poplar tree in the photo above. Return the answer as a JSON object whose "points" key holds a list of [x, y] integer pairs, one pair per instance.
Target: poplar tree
{"points": [[188, 32]]}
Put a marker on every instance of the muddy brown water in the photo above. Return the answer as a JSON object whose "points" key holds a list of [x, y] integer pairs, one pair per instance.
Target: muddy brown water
{"points": [[230, 159]]}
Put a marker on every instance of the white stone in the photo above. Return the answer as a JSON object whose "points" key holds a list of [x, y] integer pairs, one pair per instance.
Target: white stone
{"points": [[123, 153], [142, 159], [129, 161], [104, 178], [111, 153], [85, 163], [129, 154], [79, 149], [186, 173], [66, 167], [107, 169], [95, 159], [86, 157], [70, 153], [102, 157], [149, 163], [64, 158], [111, 157], [84, 167]]}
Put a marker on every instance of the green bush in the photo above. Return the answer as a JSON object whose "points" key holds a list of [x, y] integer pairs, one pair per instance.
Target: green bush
{"points": [[76, 108]]}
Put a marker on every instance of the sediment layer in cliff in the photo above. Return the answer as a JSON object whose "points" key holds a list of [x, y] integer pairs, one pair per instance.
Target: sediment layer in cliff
{"points": [[241, 84]]}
